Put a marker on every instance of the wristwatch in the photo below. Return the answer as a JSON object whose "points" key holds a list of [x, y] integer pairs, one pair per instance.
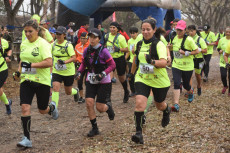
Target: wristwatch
{"points": [[153, 62]]}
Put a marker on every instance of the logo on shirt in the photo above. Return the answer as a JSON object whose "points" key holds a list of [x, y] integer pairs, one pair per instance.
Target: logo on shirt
{"points": [[35, 52]]}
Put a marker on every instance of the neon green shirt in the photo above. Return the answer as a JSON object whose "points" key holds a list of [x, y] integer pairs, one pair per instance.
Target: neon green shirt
{"points": [[209, 38], [60, 53], [159, 77], [228, 49], [36, 52], [120, 43], [201, 43], [131, 44], [5, 45], [221, 35], [49, 37], [223, 42], [182, 62], [162, 38]]}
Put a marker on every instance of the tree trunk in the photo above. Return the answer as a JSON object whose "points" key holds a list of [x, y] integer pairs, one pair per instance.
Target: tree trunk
{"points": [[45, 8], [52, 10]]}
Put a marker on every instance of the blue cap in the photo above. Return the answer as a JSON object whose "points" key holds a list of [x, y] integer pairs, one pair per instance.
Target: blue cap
{"points": [[52, 30]]}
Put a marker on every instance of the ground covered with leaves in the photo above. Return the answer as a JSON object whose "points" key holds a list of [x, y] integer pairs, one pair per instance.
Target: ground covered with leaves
{"points": [[202, 126]]}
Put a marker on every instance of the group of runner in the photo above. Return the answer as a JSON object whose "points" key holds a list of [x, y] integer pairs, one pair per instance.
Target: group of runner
{"points": [[46, 63]]}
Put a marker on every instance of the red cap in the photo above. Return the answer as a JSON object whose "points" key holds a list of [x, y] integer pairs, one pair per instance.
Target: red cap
{"points": [[171, 22], [181, 25]]}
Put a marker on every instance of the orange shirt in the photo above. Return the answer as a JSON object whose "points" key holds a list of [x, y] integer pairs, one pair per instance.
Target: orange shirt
{"points": [[79, 49]]}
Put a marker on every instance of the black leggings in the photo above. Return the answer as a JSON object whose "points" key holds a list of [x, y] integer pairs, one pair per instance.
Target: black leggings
{"points": [[131, 82], [223, 73], [207, 59], [80, 81], [184, 75]]}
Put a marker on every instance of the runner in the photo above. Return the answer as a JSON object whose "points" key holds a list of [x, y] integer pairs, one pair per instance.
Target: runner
{"points": [[117, 46], [224, 71], [220, 35], [5, 54], [150, 61], [199, 59], [210, 40], [34, 71], [184, 47], [79, 49], [63, 66], [100, 63]]}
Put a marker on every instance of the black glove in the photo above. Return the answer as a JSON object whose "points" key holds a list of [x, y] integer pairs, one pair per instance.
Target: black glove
{"points": [[25, 65], [130, 75], [61, 62], [148, 58], [77, 75], [116, 49], [16, 74], [227, 65], [100, 76]]}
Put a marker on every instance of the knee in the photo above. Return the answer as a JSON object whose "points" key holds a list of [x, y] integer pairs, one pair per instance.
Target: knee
{"points": [[140, 104], [89, 103], [100, 108], [160, 106], [25, 109]]}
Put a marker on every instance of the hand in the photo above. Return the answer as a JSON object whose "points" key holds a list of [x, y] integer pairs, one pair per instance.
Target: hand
{"points": [[133, 51], [129, 76], [199, 49], [8, 59], [169, 59], [187, 53], [25, 65], [227, 65], [148, 58], [182, 52], [221, 51], [116, 49], [77, 76], [16, 75], [61, 62], [100, 76]]}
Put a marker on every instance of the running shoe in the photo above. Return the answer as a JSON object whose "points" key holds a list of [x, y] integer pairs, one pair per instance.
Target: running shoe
{"points": [[224, 90], [132, 94], [93, 132], [166, 117], [113, 80], [76, 96], [126, 97], [110, 111], [81, 100], [138, 138], [8, 107], [175, 108], [54, 113], [190, 97], [205, 79], [25, 142], [199, 91]]}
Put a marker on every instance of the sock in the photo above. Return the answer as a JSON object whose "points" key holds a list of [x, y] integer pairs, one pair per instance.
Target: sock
{"points": [[138, 120], [74, 91], [26, 121], [4, 98], [125, 87], [94, 123], [55, 97]]}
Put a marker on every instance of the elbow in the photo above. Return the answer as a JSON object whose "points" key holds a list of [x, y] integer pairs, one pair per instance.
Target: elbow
{"points": [[50, 63]]}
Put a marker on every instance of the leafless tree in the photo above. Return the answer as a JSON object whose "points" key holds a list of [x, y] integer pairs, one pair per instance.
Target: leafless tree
{"points": [[36, 6], [213, 12]]}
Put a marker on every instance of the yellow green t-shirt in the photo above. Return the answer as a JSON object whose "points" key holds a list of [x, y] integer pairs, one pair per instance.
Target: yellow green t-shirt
{"points": [[158, 78], [223, 42], [201, 44], [131, 44], [221, 35], [63, 52], [35, 52], [48, 36], [162, 38], [120, 43], [209, 38], [182, 62], [5, 45]]}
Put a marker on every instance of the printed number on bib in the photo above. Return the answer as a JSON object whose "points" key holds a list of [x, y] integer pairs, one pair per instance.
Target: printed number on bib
{"points": [[110, 49], [60, 67], [92, 78], [146, 68], [177, 54], [29, 70]]}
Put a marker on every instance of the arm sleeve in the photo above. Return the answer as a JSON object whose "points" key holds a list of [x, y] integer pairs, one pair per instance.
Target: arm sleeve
{"points": [[111, 66]]}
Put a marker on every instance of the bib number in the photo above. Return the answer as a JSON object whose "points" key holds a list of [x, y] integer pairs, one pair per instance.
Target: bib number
{"points": [[110, 49], [177, 54], [92, 78], [29, 70], [60, 67], [146, 68]]}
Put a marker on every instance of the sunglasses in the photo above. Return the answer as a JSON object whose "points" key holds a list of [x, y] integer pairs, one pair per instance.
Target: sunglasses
{"points": [[58, 34]]}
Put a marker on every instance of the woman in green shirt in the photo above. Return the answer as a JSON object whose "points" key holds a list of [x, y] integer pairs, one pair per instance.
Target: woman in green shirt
{"points": [[150, 61], [34, 71]]}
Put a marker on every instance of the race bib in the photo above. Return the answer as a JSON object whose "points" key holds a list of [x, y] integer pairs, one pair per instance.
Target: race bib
{"points": [[146, 68], [177, 54], [131, 47], [60, 67], [29, 70], [110, 49], [92, 78], [201, 65]]}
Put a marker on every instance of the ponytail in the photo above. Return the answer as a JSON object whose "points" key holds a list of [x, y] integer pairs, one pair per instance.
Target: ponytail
{"points": [[160, 31]]}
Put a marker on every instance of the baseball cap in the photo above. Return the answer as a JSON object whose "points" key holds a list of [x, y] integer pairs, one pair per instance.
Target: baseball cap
{"points": [[206, 27], [36, 17], [61, 30], [95, 32], [52, 30], [84, 35], [181, 25], [171, 22]]}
